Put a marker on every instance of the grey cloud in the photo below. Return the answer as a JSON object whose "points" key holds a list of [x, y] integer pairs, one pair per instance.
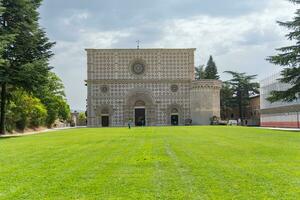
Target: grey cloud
{"points": [[119, 14]]}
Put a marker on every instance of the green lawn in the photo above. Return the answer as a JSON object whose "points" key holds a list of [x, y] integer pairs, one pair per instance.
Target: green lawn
{"points": [[152, 163]]}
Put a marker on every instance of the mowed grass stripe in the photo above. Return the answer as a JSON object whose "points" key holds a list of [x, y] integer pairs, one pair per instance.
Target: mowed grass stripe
{"points": [[168, 176], [60, 164], [243, 167], [116, 176], [152, 163]]}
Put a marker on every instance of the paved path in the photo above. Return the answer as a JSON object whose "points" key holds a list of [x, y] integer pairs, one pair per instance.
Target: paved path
{"points": [[282, 129], [37, 132]]}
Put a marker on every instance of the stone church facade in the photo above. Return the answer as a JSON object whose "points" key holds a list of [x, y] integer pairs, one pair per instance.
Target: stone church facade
{"points": [[149, 87]]}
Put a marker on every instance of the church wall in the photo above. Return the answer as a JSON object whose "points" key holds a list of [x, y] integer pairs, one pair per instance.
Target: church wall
{"points": [[162, 95], [110, 80], [162, 64]]}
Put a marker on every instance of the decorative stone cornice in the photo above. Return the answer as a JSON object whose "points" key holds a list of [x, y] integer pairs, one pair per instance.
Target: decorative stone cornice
{"points": [[206, 83], [149, 49], [182, 96], [126, 81]]}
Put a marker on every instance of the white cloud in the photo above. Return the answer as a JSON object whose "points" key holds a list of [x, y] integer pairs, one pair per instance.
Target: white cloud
{"points": [[70, 61], [222, 36], [76, 17], [237, 43]]}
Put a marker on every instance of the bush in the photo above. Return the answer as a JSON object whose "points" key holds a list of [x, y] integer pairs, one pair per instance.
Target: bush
{"points": [[57, 109], [38, 115], [214, 120], [25, 111], [82, 119]]}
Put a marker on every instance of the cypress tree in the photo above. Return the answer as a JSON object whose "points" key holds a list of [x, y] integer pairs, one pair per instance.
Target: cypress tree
{"points": [[211, 71], [289, 58]]}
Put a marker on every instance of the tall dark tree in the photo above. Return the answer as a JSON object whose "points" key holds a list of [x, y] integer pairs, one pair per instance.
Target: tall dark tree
{"points": [[243, 87], [211, 71], [199, 72], [227, 100], [5, 39], [27, 54], [290, 59]]}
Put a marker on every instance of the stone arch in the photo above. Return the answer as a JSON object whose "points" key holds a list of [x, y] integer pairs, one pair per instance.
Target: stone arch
{"points": [[104, 110], [139, 94], [140, 103], [138, 97], [175, 109]]}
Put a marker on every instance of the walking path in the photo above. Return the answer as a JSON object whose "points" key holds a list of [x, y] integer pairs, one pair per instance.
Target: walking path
{"points": [[57, 129], [37, 132], [282, 129]]}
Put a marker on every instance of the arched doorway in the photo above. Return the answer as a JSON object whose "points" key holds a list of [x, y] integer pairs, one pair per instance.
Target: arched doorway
{"points": [[139, 108], [105, 117], [174, 117], [140, 113]]}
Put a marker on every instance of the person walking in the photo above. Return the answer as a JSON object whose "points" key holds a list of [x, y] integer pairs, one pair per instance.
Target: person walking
{"points": [[129, 124]]}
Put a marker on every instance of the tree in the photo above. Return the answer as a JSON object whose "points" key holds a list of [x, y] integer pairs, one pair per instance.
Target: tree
{"points": [[24, 111], [27, 54], [4, 41], [227, 100], [211, 71], [289, 58], [52, 95], [82, 119], [243, 87], [199, 72]]}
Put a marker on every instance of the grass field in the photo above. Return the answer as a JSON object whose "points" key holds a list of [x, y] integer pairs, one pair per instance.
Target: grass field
{"points": [[152, 163]]}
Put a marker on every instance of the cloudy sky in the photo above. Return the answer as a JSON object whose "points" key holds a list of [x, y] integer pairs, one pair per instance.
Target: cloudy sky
{"points": [[239, 34]]}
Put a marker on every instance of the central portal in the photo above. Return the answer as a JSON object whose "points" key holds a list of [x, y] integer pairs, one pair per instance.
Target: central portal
{"points": [[140, 113], [140, 116], [105, 121]]}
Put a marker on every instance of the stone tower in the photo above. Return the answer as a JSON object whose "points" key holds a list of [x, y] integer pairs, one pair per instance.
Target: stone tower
{"points": [[205, 100]]}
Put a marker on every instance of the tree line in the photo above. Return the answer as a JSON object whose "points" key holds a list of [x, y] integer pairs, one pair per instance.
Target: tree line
{"points": [[31, 94], [235, 93]]}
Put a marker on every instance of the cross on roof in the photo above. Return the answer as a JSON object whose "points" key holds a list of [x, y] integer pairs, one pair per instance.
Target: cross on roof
{"points": [[138, 44]]}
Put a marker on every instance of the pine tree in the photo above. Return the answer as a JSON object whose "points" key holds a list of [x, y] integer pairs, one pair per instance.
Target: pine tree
{"points": [[5, 39], [199, 72], [243, 87], [289, 58], [27, 54], [211, 71]]}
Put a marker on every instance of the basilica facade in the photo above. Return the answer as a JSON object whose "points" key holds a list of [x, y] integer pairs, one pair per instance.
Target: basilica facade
{"points": [[148, 87]]}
